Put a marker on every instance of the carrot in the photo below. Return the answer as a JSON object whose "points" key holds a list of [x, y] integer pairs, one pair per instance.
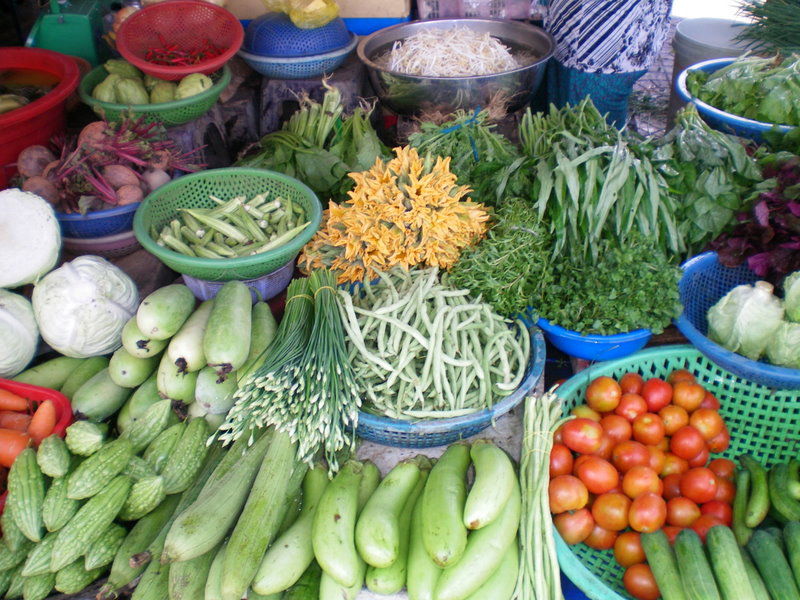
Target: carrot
{"points": [[11, 444], [43, 421], [10, 401], [14, 420]]}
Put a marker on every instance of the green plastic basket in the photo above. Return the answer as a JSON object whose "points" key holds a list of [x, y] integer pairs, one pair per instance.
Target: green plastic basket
{"points": [[172, 113], [763, 422], [193, 191]]}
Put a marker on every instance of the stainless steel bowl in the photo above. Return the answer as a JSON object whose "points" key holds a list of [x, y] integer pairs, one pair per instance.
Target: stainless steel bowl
{"points": [[409, 94]]}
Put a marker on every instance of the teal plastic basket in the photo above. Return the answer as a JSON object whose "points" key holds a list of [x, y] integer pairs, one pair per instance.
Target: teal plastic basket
{"points": [[763, 423]]}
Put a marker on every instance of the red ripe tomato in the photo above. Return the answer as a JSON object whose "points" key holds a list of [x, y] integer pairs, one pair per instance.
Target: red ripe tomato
{"points": [[658, 458], [682, 512], [720, 510], [558, 435], [584, 412], [710, 401], [628, 549], [640, 583], [647, 513], [617, 428], [688, 395], [560, 460], [704, 523], [629, 454], [701, 459], [723, 468], [601, 539], [631, 383], [726, 490], [663, 444], [606, 447], [720, 442], [631, 406], [610, 511], [686, 442], [603, 394], [707, 422], [641, 480], [657, 393], [648, 429], [699, 484], [598, 475], [671, 532], [672, 486], [567, 492], [582, 435], [574, 527], [674, 464], [680, 375], [673, 417]]}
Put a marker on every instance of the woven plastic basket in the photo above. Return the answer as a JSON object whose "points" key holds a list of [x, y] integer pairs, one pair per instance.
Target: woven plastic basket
{"points": [[301, 67], [763, 423], [438, 432], [193, 191], [705, 280], [172, 113], [274, 34], [97, 223]]}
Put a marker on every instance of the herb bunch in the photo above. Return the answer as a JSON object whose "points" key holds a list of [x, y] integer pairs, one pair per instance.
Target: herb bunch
{"points": [[774, 27]]}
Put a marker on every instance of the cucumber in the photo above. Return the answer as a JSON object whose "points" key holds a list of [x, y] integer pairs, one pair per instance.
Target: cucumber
{"points": [[227, 339], [185, 350], [726, 560], [773, 566], [213, 394], [370, 479], [212, 587], [142, 399], [262, 332], [758, 502], [779, 495], [791, 538], [99, 398], [378, 528], [307, 587], [794, 478], [88, 368], [162, 313], [444, 534], [130, 372], [423, 573], [500, 586], [662, 561], [174, 384], [137, 343], [740, 529], [756, 583], [333, 530], [187, 580], [494, 482], [696, 573], [50, 374]]}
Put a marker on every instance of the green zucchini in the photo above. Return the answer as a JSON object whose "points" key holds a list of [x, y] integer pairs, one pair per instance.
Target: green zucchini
{"points": [[262, 332], [163, 312], [50, 374], [494, 482], [726, 560], [187, 579], [500, 586], [227, 340], [99, 398], [53, 456], [213, 394], [137, 343], [174, 384], [88, 368], [160, 448], [105, 548], [773, 566], [756, 583], [26, 494], [186, 459], [130, 372], [185, 350], [664, 565], [97, 471]]}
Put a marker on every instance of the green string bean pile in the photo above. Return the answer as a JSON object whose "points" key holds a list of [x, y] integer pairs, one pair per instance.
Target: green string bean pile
{"points": [[423, 350]]}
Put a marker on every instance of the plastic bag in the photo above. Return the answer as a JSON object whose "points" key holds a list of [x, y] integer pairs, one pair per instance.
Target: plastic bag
{"points": [[305, 14], [784, 346], [791, 296]]}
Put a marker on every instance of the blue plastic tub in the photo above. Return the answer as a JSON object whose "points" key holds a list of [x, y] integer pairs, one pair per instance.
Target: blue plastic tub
{"points": [[364, 26], [300, 67], [594, 347], [99, 223]]}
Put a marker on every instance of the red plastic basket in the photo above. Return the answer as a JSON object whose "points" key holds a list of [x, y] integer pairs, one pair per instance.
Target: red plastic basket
{"points": [[185, 23]]}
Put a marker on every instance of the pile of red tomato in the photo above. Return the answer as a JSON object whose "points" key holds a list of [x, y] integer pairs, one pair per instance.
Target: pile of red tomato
{"points": [[635, 460]]}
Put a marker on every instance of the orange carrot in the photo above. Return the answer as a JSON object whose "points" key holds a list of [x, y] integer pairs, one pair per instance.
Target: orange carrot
{"points": [[14, 420], [43, 421], [10, 401], [11, 444]]}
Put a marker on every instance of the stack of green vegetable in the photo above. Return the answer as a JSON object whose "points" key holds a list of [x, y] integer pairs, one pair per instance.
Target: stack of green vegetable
{"points": [[125, 84], [774, 25]]}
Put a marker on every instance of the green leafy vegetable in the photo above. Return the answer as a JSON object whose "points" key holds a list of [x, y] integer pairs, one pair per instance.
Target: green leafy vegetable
{"points": [[774, 27]]}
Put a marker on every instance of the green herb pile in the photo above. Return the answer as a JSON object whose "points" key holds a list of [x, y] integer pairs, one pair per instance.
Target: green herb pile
{"points": [[774, 27]]}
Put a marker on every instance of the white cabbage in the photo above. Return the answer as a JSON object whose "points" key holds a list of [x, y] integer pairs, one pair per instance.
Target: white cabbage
{"points": [[30, 238], [784, 346], [791, 296], [18, 333], [82, 306]]}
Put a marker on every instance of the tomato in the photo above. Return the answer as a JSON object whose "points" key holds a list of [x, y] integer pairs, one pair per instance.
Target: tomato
{"points": [[720, 510], [582, 435], [657, 393], [631, 406], [658, 458], [567, 492], [628, 549], [558, 435], [710, 401], [699, 484], [584, 412], [682, 512], [603, 394], [631, 383], [680, 375], [601, 539], [688, 395], [648, 429], [628, 454], [618, 428], [671, 532], [610, 511], [574, 526], [647, 513], [641, 480], [672, 486], [707, 422], [720, 442], [598, 475], [703, 524], [674, 464], [687, 442], [701, 459], [560, 460], [726, 490], [723, 468], [663, 444], [640, 583], [606, 447], [673, 417]]}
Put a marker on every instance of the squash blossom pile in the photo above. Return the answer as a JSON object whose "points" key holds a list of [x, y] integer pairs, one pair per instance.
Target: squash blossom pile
{"points": [[406, 212]]}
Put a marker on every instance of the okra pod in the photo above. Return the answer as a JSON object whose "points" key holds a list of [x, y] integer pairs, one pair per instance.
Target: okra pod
{"points": [[218, 225]]}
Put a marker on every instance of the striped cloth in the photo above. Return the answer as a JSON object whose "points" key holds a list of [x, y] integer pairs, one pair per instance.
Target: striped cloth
{"points": [[608, 36]]}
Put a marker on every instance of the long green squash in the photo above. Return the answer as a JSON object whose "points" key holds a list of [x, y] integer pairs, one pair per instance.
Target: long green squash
{"points": [[187, 579]]}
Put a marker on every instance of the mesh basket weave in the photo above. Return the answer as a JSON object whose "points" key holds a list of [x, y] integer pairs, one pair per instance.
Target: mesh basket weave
{"points": [[299, 67], [274, 34], [193, 191], [763, 423]]}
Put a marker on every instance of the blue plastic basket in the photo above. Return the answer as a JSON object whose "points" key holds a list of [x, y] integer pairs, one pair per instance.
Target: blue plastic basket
{"points": [[301, 67], [99, 223], [705, 280], [595, 347], [439, 432], [261, 288], [274, 35]]}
